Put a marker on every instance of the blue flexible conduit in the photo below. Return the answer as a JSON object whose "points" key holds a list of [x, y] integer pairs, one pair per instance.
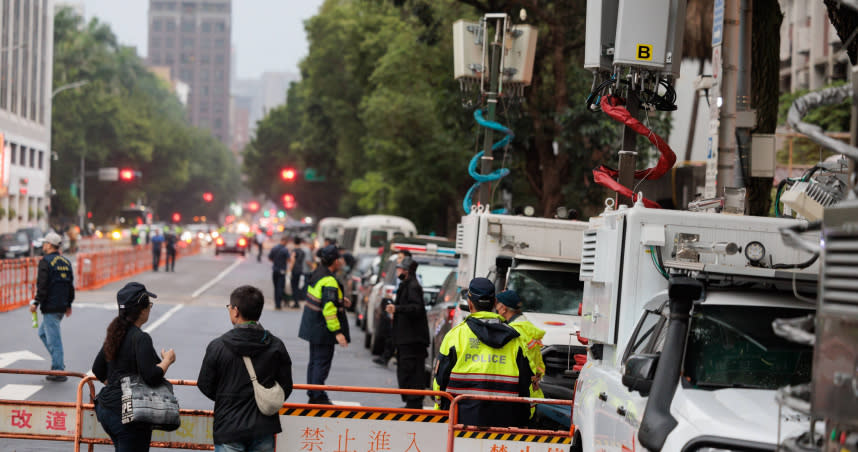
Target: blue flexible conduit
{"points": [[472, 166]]}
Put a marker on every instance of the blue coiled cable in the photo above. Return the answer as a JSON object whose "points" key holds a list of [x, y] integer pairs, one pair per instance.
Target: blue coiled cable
{"points": [[472, 166]]}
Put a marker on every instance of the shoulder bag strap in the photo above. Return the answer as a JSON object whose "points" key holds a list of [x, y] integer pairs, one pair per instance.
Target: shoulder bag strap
{"points": [[249, 365]]}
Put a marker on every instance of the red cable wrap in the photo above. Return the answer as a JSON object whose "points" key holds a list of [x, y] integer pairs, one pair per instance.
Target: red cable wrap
{"points": [[604, 176]]}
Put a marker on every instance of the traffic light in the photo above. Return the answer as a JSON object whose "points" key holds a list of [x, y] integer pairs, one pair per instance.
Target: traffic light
{"points": [[126, 175], [288, 174], [208, 197], [253, 206], [177, 217], [289, 201]]}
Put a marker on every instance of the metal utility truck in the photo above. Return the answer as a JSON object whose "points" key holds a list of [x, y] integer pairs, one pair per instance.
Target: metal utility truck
{"points": [[540, 259], [678, 310]]}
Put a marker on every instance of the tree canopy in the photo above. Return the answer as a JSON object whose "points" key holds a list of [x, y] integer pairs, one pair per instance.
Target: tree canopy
{"points": [[126, 117], [378, 112]]}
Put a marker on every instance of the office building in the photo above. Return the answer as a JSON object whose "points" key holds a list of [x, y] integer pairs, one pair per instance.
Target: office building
{"points": [[192, 38], [811, 52], [26, 68]]}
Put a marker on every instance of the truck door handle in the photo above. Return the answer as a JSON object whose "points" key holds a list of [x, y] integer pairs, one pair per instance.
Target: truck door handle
{"points": [[603, 396], [621, 411]]}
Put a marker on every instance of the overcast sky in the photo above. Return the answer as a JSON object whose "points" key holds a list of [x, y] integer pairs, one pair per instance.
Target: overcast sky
{"points": [[268, 35]]}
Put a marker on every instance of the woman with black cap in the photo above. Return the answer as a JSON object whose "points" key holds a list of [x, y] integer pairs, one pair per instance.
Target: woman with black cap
{"points": [[128, 350]]}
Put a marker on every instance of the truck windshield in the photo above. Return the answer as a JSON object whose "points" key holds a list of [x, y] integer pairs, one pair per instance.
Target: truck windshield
{"points": [[735, 347], [548, 292]]}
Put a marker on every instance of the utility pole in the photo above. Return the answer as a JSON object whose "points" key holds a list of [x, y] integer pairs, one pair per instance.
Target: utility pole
{"points": [[629, 154], [492, 101], [81, 205]]}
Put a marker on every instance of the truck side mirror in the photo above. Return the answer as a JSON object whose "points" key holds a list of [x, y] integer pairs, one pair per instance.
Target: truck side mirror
{"points": [[640, 371]]}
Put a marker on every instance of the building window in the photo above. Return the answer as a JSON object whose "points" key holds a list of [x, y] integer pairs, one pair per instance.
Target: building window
{"points": [[187, 43], [154, 43], [157, 25], [169, 42], [218, 75], [220, 58], [220, 43], [205, 59], [170, 25], [168, 59], [188, 7], [218, 123], [32, 158], [23, 156], [204, 74], [41, 159], [220, 27], [204, 106], [205, 90], [187, 58], [207, 27], [188, 26], [187, 75], [155, 59], [14, 152]]}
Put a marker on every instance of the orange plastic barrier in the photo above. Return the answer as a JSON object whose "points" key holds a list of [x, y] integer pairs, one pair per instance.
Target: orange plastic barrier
{"points": [[17, 282], [92, 270]]}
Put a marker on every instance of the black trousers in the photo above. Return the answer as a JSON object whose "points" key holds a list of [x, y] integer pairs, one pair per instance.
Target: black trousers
{"points": [[156, 259], [410, 372], [170, 263], [279, 279]]}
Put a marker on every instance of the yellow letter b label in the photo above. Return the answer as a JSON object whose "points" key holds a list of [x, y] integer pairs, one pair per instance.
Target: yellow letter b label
{"points": [[644, 52]]}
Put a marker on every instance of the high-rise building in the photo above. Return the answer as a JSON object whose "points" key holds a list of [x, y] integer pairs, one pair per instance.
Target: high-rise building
{"points": [[812, 54], [26, 68], [192, 37]]}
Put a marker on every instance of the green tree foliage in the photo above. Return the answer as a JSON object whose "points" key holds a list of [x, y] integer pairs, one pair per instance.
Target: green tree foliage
{"points": [[126, 117]]}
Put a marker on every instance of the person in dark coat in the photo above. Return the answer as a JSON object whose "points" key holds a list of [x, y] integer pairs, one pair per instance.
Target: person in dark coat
{"points": [[54, 297], [128, 350], [279, 257], [238, 423], [170, 239], [410, 332]]}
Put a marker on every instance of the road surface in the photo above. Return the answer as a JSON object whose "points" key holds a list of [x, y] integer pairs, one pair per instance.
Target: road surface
{"points": [[188, 313]]}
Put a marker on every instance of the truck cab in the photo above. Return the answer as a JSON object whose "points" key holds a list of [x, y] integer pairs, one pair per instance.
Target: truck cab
{"points": [[539, 258], [728, 362]]}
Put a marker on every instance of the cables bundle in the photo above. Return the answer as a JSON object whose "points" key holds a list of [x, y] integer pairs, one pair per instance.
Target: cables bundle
{"points": [[472, 166]]}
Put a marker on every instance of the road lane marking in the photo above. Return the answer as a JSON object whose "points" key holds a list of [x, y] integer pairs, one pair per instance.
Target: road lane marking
{"points": [[6, 359], [18, 392], [105, 306], [163, 318], [216, 279], [345, 403]]}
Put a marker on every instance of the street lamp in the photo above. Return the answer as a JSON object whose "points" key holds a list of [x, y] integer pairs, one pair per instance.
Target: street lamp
{"points": [[81, 207]]}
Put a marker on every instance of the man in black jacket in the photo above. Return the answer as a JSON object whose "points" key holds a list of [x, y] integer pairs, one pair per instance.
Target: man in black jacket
{"points": [[54, 297], [238, 423], [410, 332]]}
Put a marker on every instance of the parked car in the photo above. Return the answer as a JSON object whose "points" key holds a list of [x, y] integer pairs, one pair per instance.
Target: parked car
{"points": [[363, 276], [36, 236], [449, 309], [432, 270], [230, 242], [14, 244]]}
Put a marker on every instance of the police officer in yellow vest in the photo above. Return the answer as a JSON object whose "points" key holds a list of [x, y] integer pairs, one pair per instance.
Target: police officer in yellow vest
{"points": [[484, 356], [509, 307], [324, 323]]}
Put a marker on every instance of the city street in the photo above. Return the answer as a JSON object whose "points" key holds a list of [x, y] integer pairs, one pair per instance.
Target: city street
{"points": [[188, 313]]}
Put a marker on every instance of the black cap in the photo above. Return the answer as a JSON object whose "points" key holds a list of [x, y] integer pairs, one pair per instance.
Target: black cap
{"points": [[405, 263], [481, 291], [510, 299], [329, 253], [133, 294]]}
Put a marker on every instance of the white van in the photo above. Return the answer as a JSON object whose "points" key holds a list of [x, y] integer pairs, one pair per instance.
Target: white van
{"points": [[329, 228], [363, 235]]}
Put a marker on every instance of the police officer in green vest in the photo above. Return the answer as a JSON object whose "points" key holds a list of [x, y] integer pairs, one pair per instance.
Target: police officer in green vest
{"points": [[484, 356], [324, 323], [509, 306]]}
